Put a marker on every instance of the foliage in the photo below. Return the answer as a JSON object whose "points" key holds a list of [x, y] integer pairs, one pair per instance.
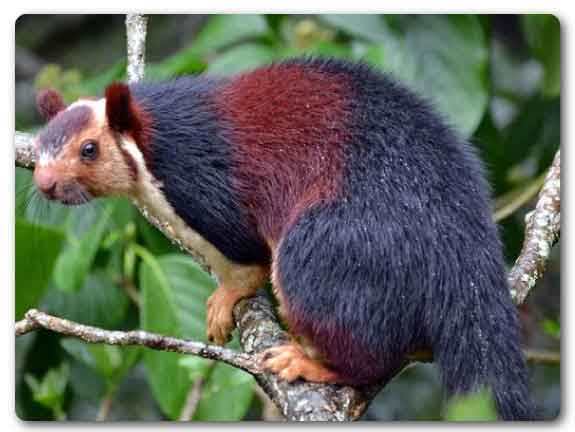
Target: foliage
{"points": [[49, 391], [104, 265], [478, 406]]}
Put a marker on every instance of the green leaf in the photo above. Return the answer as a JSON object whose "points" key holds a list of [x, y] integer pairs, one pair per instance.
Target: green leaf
{"points": [[97, 84], [104, 359], [368, 27], [197, 366], [174, 291], [112, 362], [49, 392], [529, 142], [219, 32], [444, 58], [543, 34], [100, 302], [31, 206], [318, 49], [552, 328], [187, 62], [153, 239], [37, 248], [66, 81], [478, 406], [223, 30], [241, 58], [226, 395], [75, 262], [24, 191], [507, 204]]}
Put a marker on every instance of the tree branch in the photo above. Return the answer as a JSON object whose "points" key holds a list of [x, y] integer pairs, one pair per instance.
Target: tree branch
{"points": [[35, 319], [542, 228], [136, 29], [192, 400]]}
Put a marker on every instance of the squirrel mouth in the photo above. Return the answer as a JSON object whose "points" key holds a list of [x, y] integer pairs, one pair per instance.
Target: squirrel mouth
{"points": [[73, 202], [69, 195]]}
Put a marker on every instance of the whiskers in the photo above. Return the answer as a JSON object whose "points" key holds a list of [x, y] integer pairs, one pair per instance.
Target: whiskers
{"points": [[85, 197], [26, 193], [74, 215], [33, 206], [30, 203], [74, 193]]}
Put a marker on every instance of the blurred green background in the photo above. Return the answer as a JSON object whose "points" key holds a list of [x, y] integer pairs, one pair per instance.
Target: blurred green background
{"points": [[496, 78]]}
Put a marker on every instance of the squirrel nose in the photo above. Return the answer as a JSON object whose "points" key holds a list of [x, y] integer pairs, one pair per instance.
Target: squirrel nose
{"points": [[46, 181]]}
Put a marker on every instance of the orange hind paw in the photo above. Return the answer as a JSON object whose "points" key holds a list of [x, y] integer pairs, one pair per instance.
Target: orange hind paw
{"points": [[290, 362]]}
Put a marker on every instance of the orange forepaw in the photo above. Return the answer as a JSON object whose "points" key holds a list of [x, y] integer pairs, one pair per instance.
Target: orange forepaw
{"points": [[220, 319]]}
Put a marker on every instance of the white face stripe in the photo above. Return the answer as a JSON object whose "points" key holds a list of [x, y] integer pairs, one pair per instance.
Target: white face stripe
{"points": [[44, 158]]}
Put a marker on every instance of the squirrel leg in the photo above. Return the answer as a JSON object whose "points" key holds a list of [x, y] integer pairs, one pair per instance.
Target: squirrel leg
{"points": [[291, 361], [239, 283], [298, 358]]}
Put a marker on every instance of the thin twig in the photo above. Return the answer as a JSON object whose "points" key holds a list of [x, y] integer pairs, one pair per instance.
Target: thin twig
{"points": [[106, 405], [542, 356], [26, 326], [507, 204], [130, 289], [136, 25], [24, 150], [35, 319], [531, 355], [192, 400]]}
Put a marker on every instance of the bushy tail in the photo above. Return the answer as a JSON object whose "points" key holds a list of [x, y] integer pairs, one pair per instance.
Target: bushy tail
{"points": [[478, 347]]}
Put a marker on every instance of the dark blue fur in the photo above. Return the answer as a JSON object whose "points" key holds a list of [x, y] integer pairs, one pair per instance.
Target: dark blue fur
{"points": [[191, 157], [408, 256]]}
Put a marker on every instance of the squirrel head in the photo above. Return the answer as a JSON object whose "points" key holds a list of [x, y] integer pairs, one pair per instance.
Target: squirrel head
{"points": [[81, 152]]}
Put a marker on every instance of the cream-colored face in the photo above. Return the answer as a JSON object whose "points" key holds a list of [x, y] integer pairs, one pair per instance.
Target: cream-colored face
{"points": [[79, 157]]}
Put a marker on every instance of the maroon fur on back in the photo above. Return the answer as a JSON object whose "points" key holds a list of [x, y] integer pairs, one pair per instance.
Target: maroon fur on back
{"points": [[49, 103], [289, 126]]}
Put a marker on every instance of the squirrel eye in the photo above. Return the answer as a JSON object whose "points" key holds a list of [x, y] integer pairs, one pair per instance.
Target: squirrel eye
{"points": [[89, 150]]}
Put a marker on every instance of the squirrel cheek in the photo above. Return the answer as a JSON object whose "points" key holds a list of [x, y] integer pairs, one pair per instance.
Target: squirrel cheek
{"points": [[101, 183]]}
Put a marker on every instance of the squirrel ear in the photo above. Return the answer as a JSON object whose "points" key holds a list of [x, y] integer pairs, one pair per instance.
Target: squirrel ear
{"points": [[49, 103], [119, 108]]}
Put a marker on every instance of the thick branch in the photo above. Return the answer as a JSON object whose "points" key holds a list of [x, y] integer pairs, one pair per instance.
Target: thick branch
{"points": [[24, 149], [302, 401]]}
